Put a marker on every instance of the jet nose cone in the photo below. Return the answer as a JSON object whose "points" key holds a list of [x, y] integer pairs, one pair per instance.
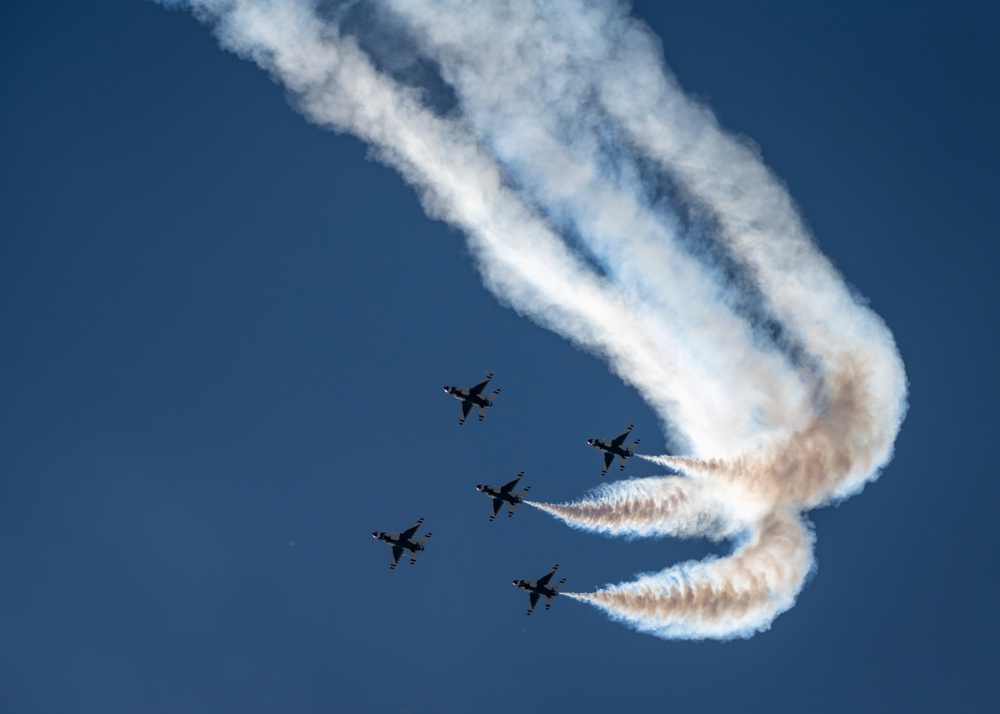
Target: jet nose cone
{"points": [[590, 441], [447, 389], [516, 582], [479, 487], [375, 534]]}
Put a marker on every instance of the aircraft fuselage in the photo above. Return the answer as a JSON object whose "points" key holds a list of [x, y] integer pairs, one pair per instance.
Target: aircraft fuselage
{"points": [[608, 447], [500, 494], [477, 400], [405, 543]]}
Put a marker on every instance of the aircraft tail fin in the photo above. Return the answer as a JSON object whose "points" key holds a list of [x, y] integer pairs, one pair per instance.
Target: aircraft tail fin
{"points": [[415, 553], [558, 585], [489, 403]]}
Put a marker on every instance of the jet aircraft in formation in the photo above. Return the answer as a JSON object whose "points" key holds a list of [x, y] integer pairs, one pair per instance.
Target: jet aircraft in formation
{"points": [[612, 448], [504, 494], [473, 397], [403, 541], [540, 588]]}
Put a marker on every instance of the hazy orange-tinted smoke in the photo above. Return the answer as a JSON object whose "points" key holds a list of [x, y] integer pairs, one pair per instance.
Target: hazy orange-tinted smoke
{"points": [[718, 598]]}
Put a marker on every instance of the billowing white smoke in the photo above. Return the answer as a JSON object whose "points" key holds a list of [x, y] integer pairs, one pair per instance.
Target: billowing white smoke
{"points": [[604, 204]]}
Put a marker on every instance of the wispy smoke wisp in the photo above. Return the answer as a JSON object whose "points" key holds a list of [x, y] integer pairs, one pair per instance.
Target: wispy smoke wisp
{"points": [[603, 203]]}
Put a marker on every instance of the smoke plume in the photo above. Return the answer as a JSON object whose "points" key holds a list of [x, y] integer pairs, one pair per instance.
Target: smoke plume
{"points": [[603, 203]]}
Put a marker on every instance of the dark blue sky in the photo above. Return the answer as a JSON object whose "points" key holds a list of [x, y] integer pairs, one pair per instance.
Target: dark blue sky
{"points": [[225, 332]]}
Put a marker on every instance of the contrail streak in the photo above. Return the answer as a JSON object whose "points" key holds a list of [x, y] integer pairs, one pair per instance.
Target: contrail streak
{"points": [[716, 598], [604, 204], [666, 506]]}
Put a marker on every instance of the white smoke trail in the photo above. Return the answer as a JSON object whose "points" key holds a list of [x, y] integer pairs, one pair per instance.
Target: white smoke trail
{"points": [[521, 259], [666, 506], [586, 183], [520, 90], [718, 598]]}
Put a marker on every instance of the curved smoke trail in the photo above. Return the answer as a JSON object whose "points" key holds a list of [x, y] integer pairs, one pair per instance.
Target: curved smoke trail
{"points": [[603, 203]]}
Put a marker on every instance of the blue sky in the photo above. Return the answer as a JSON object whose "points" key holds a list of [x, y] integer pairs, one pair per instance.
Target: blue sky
{"points": [[225, 336]]}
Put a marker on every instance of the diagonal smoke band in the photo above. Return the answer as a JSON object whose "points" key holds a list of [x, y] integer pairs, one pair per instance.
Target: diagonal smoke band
{"points": [[603, 203]]}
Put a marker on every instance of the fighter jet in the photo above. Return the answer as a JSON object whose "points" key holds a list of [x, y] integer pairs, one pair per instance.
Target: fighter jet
{"points": [[613, 447], [540, 588], [403, 541], [504, 494], [473, 397]]}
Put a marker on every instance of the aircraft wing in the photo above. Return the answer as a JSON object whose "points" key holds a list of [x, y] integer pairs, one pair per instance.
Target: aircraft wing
{"points": [[466, 408], [411, 531], [497, 505], [608, 460], [534, 601], [510, 486], [478, 389], [620, 439], [544, 580], [397, 553]]}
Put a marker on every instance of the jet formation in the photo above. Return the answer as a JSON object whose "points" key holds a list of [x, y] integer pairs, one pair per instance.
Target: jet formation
{"points": [[403, 541], [504, 494], [612, 448], [473, 397]]}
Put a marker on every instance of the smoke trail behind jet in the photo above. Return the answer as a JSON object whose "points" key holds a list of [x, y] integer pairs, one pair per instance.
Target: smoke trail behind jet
{"points": [[601, 202]]}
